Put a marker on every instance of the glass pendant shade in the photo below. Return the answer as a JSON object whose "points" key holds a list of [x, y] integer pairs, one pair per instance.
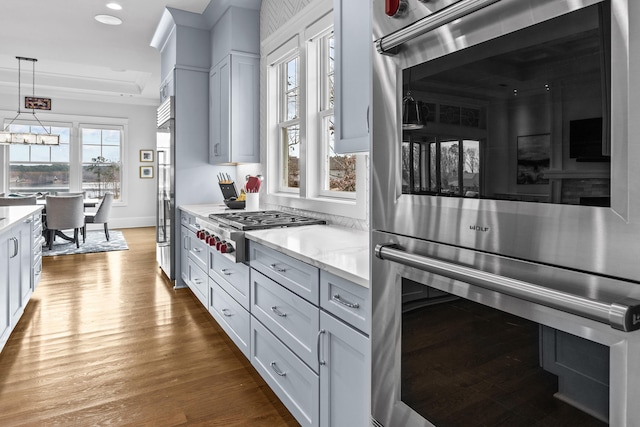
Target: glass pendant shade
{"points": [[411, 114]]}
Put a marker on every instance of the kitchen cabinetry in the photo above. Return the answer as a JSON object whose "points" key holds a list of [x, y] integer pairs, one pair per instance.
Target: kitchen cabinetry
{"points": [[309, 338], [193, 258], [234, 110], [353, 48], [16, 274]]}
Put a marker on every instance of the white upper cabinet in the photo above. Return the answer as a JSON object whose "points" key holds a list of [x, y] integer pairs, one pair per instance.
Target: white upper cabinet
{"points": [[234, 110], [353, 47]]}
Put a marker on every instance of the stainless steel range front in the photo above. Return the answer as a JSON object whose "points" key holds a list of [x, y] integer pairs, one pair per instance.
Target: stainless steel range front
{"points": [[505, 212]]}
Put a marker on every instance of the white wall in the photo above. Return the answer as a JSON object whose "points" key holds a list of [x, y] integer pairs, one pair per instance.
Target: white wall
{"points": [[138, 206]]}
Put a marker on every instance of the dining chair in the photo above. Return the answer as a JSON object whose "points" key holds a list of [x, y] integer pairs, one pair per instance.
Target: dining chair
{"points": [[17, 201], [99, 216], [64, 213]]}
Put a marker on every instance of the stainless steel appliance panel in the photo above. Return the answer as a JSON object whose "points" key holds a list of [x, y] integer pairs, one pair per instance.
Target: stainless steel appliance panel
{"points": [[165, 169], [601, 240]]}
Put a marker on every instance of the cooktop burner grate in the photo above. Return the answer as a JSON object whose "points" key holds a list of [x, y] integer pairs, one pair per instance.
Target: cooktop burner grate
{"points": [[263, 219]]}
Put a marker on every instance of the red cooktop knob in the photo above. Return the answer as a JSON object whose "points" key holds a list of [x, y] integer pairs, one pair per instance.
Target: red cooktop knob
{"points": [[395, 8], [223, 248]]}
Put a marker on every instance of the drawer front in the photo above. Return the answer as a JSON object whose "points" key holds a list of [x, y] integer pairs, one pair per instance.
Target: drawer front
{"points": [[231, 317], [189, 221], [297, 386], [198, 282], [346, 300], [297, 276], [198, 252], [233, 277], [292, 319]]}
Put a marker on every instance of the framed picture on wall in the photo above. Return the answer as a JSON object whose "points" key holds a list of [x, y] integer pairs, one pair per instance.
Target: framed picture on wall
{"points": [[146, 155], [146, 171], [534, 158]]}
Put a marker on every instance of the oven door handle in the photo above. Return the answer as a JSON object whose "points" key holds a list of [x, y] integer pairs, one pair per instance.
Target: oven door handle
{"points": [[388, 44], [623, 315]]}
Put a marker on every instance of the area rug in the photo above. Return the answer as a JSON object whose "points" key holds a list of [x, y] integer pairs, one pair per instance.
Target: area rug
{"points": [[95, 242]]}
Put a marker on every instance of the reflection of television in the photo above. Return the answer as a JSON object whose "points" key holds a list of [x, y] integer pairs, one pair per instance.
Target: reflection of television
{"points": [[585, 140]]}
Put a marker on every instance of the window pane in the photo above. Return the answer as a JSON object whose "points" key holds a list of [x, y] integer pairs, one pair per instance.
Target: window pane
{"points": [[330, 65], [292, 74], [291, 156], [19, 153], [111, 137], [433, 168], [90, 152], [101, 155], [32, 177], [111, 153], [91, 136], [40, 153], [342, 169], [60, 153], [471, 168], [292, 105], [449, 158]]}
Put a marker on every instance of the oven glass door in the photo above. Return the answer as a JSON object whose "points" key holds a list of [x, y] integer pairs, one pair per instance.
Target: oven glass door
{"points": [[465, 364], [449, 353]]}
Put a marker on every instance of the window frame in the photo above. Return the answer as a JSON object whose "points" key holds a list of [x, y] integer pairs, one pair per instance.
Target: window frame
{"points": [[75, 149], [301, 35], [101, 127]]}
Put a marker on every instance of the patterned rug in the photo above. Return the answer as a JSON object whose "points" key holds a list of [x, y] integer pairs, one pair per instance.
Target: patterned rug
{"points": [[96, 242]]}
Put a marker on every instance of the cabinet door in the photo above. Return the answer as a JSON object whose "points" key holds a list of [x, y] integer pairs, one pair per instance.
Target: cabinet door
{"points": [[245, 109], [219, 111], [15, 288], [25, 253], [344, 374], [6, 249], [185, 247], [353, 47]]}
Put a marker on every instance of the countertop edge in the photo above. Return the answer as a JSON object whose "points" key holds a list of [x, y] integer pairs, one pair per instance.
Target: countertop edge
{"points": [[11, 215]]}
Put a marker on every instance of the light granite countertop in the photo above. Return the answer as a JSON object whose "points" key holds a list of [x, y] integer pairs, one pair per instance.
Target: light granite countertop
{"points": [[11, 215], [339, 250]]}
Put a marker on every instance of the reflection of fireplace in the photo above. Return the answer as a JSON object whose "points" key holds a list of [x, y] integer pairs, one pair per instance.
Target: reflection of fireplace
{"points": [[590, 188]]}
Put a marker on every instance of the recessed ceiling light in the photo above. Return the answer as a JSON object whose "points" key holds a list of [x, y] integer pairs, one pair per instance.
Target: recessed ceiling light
{"points": [[114, 6], [108, 19]]}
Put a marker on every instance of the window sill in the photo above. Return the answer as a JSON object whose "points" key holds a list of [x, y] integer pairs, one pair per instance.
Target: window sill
{"points": [[351, 208]]}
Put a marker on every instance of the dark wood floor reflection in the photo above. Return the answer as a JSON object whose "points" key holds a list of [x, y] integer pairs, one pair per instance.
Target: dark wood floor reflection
{"points": [[465, 364], [106, 341]]}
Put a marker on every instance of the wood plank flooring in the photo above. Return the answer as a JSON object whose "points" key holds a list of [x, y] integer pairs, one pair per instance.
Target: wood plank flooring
{"points": [[105, 340]]}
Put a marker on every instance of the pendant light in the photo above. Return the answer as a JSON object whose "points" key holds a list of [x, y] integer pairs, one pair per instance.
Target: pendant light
{"points": [[8, 137], [411, 114]]}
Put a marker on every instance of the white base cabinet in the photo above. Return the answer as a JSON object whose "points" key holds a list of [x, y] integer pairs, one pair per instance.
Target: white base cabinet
{"points": [[17, 280]]}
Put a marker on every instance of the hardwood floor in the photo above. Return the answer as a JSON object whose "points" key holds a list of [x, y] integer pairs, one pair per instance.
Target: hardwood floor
{"points": [[106, 341]]}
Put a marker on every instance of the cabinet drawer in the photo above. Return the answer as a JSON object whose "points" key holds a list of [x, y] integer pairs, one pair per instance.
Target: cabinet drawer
{"points": [[198, 282], [231, 317], [189, 221], [292, 319], [198, 252], [346, 300], [233, 277], [297, 386], [298, 277]]}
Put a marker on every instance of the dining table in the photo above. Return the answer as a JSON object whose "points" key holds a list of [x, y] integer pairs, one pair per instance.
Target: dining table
{"points": [[88, 203]]}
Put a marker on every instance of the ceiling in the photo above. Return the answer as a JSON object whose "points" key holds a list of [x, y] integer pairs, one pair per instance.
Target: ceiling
{"points": [[80, 58]]}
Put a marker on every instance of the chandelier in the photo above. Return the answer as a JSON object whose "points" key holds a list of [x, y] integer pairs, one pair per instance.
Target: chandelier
{"points": [[8, 137]]}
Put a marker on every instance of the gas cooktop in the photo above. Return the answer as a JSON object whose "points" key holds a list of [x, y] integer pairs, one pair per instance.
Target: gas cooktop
{"points": [[259, 220]]}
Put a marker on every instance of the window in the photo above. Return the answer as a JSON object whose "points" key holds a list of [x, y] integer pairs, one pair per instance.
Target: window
{"points": [[101, 148], [300, 123], [89, 158], [39, 168], [289, 96], [433, 164]]}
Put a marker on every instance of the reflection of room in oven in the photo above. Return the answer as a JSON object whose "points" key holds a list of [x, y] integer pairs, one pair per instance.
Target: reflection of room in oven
{"points": [[465, 364], [527, 114]]}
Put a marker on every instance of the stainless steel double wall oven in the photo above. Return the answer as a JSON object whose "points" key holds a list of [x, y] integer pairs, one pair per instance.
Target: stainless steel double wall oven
{"points": [[506, 212]]}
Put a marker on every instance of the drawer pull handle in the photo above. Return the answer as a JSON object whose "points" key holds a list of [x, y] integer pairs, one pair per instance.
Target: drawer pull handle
{"points": [[197, 281], [225, 311], [197, 250], [277, 370], [278, 312], [336, 297], [320, 351], [226, 272], [278, 269]]}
